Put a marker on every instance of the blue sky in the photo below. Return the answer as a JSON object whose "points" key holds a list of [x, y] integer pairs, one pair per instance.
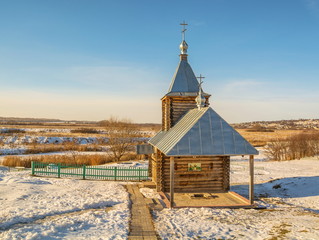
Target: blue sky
{"points": [[89, 60]]}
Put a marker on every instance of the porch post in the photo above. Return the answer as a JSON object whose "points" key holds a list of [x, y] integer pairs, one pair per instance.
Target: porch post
{"points": [[251, 179], [171, 182]]}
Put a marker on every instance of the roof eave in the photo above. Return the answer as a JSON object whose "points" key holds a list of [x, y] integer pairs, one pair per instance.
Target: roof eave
{"points": [[226, 154]]}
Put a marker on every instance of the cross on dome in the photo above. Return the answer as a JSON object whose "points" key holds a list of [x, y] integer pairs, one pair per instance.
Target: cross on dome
{"points": [[183, 46], [184, 30], [200, 99]]}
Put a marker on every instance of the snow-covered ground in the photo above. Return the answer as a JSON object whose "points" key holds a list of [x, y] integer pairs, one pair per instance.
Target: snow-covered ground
{"points": [[18, 140], [47, 208], [36, 130], [292, 206], [12, 145]]}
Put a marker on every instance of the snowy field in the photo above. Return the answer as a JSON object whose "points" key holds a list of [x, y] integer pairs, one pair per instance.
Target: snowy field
{"points": [[48, 208], [13, 145], [292, 203]]}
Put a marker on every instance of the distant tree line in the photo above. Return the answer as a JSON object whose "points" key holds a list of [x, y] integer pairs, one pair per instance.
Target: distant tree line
{"points": [[294, 147], [280, 124]]}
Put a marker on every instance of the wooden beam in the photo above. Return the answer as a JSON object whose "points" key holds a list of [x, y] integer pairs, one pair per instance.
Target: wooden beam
{"points": [[251, 179], [171, 182]]}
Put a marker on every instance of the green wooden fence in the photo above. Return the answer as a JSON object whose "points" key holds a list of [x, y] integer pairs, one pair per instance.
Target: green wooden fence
{"points": [[89, 172]]}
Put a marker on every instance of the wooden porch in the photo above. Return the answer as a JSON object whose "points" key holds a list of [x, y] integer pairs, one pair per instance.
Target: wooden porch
{"points": [[212, 200]]}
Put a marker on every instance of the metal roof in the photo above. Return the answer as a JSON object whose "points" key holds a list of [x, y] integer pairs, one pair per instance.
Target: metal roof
{"points": [[184, 79], [202, 132], [184, 82]]}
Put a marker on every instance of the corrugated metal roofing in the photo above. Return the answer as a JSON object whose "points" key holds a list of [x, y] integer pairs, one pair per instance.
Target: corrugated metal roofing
{"points": [[202, 132]]}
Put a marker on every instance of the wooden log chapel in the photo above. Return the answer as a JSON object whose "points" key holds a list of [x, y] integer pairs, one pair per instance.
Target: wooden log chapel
{"points": [[192, 151]]}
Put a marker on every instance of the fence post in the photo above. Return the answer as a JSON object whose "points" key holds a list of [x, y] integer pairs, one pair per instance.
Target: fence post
{"points": [[32, 168], [84, 171], [139, 174], [115, 173], [59, 170]]}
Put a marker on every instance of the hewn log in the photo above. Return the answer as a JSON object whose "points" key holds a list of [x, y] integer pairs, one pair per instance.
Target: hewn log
{"points": [[251, 179], [172, 182], [213, 177]]}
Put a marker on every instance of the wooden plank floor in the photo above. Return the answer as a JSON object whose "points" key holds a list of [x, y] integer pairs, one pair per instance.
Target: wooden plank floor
{"points": [[141, 226], [215, 200]]}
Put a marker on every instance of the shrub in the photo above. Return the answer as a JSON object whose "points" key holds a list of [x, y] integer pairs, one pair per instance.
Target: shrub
{"points": [[12, 130], [297, 146], [15, 161], [122, 136], [86, 130], [66, 146], [72, 158]]}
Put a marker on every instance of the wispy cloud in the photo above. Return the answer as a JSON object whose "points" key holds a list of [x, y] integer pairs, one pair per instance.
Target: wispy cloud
{"points": [[243, 83], [86, 106], [194, 22], [111, 79], [107, 75], [128, 80]]}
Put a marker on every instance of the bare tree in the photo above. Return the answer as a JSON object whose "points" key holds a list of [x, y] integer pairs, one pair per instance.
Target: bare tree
{"points": [[122, 136], [277, 150], [294, 147]]}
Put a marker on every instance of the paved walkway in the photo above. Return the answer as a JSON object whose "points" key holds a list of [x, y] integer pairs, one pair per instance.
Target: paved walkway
{"points": [[141, 226]]}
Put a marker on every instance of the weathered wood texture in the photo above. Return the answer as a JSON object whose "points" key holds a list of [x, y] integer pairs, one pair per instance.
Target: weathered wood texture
{"points": [[251, 179], [213, 177], [166, 121], [150, 167], [171, 179], [157, 170], [173, 108]]}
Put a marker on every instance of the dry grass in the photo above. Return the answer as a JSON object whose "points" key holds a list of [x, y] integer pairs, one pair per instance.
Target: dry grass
{"points": [[76, 130], [16, 161], [262, 138], [72, 158], [66, 146], [86, 131]]}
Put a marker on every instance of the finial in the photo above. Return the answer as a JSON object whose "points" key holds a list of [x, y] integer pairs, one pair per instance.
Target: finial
{"points": [[183, 46], [200, 100]]}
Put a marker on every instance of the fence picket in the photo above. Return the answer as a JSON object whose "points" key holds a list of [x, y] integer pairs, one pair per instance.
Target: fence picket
{"points": [[84, 171], [115, 173], [32, 168], [59, 170]]}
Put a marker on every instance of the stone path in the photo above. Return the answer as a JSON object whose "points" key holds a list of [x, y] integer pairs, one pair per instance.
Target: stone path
{"points": [[141, 226]]}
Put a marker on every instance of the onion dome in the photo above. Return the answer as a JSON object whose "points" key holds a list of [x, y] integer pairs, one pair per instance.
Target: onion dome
{"points": [[183, 47]]}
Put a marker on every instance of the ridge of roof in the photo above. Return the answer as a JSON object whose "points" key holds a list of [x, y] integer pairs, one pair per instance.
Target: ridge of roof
{"points": [[202, 132], [166, 140]]}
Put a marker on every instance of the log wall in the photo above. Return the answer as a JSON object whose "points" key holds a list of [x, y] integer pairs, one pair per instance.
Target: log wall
{"points": [[157, 170], [173, 108], [214, 176]]}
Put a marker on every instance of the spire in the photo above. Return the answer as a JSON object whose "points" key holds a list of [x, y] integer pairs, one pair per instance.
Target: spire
{"points": [[200, 100], [184, 82], [183, 46]]}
